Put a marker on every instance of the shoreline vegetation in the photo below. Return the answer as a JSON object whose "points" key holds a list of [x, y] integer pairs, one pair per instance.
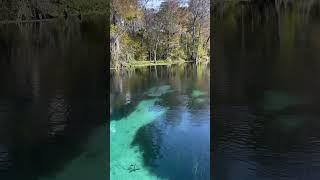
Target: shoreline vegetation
{"points": [[26, 21], [15, 11], [50, 19], [137, 64], [173, 32]]}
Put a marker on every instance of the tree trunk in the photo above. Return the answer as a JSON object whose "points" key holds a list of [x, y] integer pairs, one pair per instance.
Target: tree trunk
{"points": [[193, 55], [155, 55], [155, 50]]}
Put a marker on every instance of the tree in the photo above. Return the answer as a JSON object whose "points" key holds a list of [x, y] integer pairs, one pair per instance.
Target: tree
{"points": [[200, 14], [168, 13], [44, 9], [154, 29], [171, 32], [124, 17]]}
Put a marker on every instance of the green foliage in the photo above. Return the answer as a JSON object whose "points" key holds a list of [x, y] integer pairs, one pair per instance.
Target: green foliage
{"points": [[44, 9], [178, 53], [113, 30], [202, 51], [130, 47], [156, 36], [126, 9], [87, 6]]}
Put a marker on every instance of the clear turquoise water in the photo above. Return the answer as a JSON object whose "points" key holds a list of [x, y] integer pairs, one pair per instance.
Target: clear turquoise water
{"points": [[160, 123]]}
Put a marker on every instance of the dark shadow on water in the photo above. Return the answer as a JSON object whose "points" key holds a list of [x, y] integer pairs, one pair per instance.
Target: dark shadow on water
{"points": [[266, 99], [52, 94], [149, 139]]}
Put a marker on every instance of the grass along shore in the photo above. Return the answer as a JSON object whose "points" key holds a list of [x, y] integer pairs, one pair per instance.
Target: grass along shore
{"points": [[135, 64]]}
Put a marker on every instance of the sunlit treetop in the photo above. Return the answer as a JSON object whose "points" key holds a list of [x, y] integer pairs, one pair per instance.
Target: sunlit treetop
{"points": [[127, 9]]}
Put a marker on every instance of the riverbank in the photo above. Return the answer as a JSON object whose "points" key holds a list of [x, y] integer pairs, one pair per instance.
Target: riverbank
{"points": [[137, 64], [80, 16], [27, 21]]}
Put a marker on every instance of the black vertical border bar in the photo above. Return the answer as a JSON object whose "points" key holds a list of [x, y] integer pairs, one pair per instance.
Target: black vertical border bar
{"points": [[212, 77], [107, 76], [211, 89]]}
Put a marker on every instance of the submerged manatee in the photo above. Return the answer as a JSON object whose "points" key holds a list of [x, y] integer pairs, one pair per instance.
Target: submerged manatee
{"points": [[112, 127], [197, 93], [200, 100], [159, 91], [276, 101]]}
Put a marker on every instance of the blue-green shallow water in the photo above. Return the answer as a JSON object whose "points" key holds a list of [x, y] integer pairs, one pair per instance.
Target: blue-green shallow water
{"points": [[53, 100], [160, 123]]}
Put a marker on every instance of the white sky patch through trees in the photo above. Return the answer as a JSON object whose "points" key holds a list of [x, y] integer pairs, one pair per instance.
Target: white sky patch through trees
{"points": [[155, 4]]}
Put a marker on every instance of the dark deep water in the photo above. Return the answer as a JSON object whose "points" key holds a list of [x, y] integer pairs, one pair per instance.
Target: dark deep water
{"points": [[176, 145], [267, 93], [53, 100]]}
